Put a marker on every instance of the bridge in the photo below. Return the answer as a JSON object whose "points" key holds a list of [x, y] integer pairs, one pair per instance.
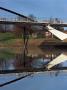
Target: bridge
{"points": [[29, 22]]}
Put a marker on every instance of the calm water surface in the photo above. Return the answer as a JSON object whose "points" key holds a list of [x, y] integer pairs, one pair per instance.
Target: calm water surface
{"points": [[33, 68]]}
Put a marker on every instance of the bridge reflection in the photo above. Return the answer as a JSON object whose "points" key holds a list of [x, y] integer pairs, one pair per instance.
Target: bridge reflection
{"points": [[31, 61]]}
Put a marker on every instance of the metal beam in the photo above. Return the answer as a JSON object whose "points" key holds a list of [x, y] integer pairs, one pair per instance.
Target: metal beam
{"points": [[15, 13]]}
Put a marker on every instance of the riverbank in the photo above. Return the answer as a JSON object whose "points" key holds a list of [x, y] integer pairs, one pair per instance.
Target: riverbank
{"points": [[31, 42]]}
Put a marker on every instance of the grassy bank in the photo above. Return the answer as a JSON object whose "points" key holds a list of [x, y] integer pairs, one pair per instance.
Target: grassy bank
{"points": [[8, 39]]}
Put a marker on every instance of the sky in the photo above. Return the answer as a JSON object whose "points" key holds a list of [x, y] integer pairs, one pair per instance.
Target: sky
{"points": [[39, 8]]}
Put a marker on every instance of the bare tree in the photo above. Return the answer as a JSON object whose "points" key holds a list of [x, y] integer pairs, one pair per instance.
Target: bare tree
{"points": [[32, 17]]}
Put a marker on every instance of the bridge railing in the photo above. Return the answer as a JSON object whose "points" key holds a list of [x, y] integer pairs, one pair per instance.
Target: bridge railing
{"points": [[25, 19], [14, 19]]}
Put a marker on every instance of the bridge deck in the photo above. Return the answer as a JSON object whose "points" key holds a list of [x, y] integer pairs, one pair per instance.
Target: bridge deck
{"points": [[32, 23]]}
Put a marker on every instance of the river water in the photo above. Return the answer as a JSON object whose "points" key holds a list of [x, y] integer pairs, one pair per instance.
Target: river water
{"points": [[33, 68]]}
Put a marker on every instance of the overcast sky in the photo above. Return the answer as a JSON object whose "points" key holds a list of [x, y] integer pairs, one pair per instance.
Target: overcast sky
{"points": [[39, 8]]}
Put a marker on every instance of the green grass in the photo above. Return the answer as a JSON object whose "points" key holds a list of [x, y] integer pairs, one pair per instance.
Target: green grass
{"points": [[6, 36], [9, 38], [6, 54]]}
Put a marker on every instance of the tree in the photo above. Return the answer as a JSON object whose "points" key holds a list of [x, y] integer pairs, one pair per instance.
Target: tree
{"points": [[31, 16]]}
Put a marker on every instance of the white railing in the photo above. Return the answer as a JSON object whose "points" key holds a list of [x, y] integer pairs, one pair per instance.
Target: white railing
{"points": [[13, 19]]}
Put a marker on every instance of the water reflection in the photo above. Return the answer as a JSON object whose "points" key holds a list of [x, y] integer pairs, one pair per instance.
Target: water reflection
{"points": [[59, 59], [36, 59], [18, 63]]}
